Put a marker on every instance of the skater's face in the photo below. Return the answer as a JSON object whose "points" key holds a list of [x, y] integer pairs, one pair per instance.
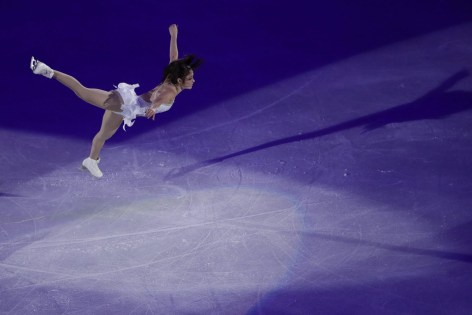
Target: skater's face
{"points": [[188, 81]]}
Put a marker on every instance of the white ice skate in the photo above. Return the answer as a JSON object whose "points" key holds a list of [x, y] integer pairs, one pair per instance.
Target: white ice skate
{"points": [[91, 165], [41, 68]]}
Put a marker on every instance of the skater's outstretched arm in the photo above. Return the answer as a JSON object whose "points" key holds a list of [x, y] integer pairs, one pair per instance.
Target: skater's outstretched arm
{"points": [[174, 52]]}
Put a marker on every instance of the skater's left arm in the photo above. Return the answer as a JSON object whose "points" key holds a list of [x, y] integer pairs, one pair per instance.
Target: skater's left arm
{"points": [[163, 98]]}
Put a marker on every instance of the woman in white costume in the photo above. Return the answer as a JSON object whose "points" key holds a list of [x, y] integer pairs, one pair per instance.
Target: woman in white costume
{"points": [[122, 104]]}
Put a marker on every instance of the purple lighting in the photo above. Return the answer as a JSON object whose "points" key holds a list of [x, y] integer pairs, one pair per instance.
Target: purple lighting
{"points": [[321, 163]]}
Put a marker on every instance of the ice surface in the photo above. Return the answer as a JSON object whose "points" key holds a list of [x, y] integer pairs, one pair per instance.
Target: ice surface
{"points": [[344, 189]]}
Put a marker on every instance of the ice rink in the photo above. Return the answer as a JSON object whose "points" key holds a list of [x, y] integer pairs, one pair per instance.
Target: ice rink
{"points": [[307, 172]]}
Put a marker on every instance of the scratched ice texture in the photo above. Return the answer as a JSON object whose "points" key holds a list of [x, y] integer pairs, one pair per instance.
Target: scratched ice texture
{"points": [[341, 189]]}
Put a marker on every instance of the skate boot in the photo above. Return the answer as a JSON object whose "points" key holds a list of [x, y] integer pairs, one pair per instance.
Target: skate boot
{"points": [[41, 68], [91, 165]]}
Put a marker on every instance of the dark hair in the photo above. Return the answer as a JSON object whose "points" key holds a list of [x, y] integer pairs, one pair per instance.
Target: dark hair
{"points": [[180, 68]]}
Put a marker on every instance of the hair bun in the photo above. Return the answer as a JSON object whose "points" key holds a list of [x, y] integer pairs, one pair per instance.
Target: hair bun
{"points": [[180, 68]]}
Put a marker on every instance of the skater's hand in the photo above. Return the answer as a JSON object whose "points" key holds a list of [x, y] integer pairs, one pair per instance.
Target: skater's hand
{"points": [[150, 113], [173, 30]]}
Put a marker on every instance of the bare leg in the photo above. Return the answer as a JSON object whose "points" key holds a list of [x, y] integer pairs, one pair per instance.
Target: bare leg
{"points": [[110, 123], [95, 97]]}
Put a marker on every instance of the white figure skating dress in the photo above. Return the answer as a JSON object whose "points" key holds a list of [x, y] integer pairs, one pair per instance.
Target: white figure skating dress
{"points": [[134, 105]]}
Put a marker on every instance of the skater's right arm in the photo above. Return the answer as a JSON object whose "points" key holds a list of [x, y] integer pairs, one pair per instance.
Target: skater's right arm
{"points": [[174, 52]]}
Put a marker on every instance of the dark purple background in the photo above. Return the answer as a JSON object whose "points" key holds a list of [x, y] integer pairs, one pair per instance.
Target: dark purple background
{"points": [[246, 45], [320, 165]]}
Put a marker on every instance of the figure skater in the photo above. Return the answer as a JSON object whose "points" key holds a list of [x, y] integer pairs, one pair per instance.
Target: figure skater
{"points": [[122, 104]]}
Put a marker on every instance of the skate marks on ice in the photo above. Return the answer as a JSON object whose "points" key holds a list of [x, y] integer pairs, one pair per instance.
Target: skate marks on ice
{"points": [[223, 238], [438, 103]]}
